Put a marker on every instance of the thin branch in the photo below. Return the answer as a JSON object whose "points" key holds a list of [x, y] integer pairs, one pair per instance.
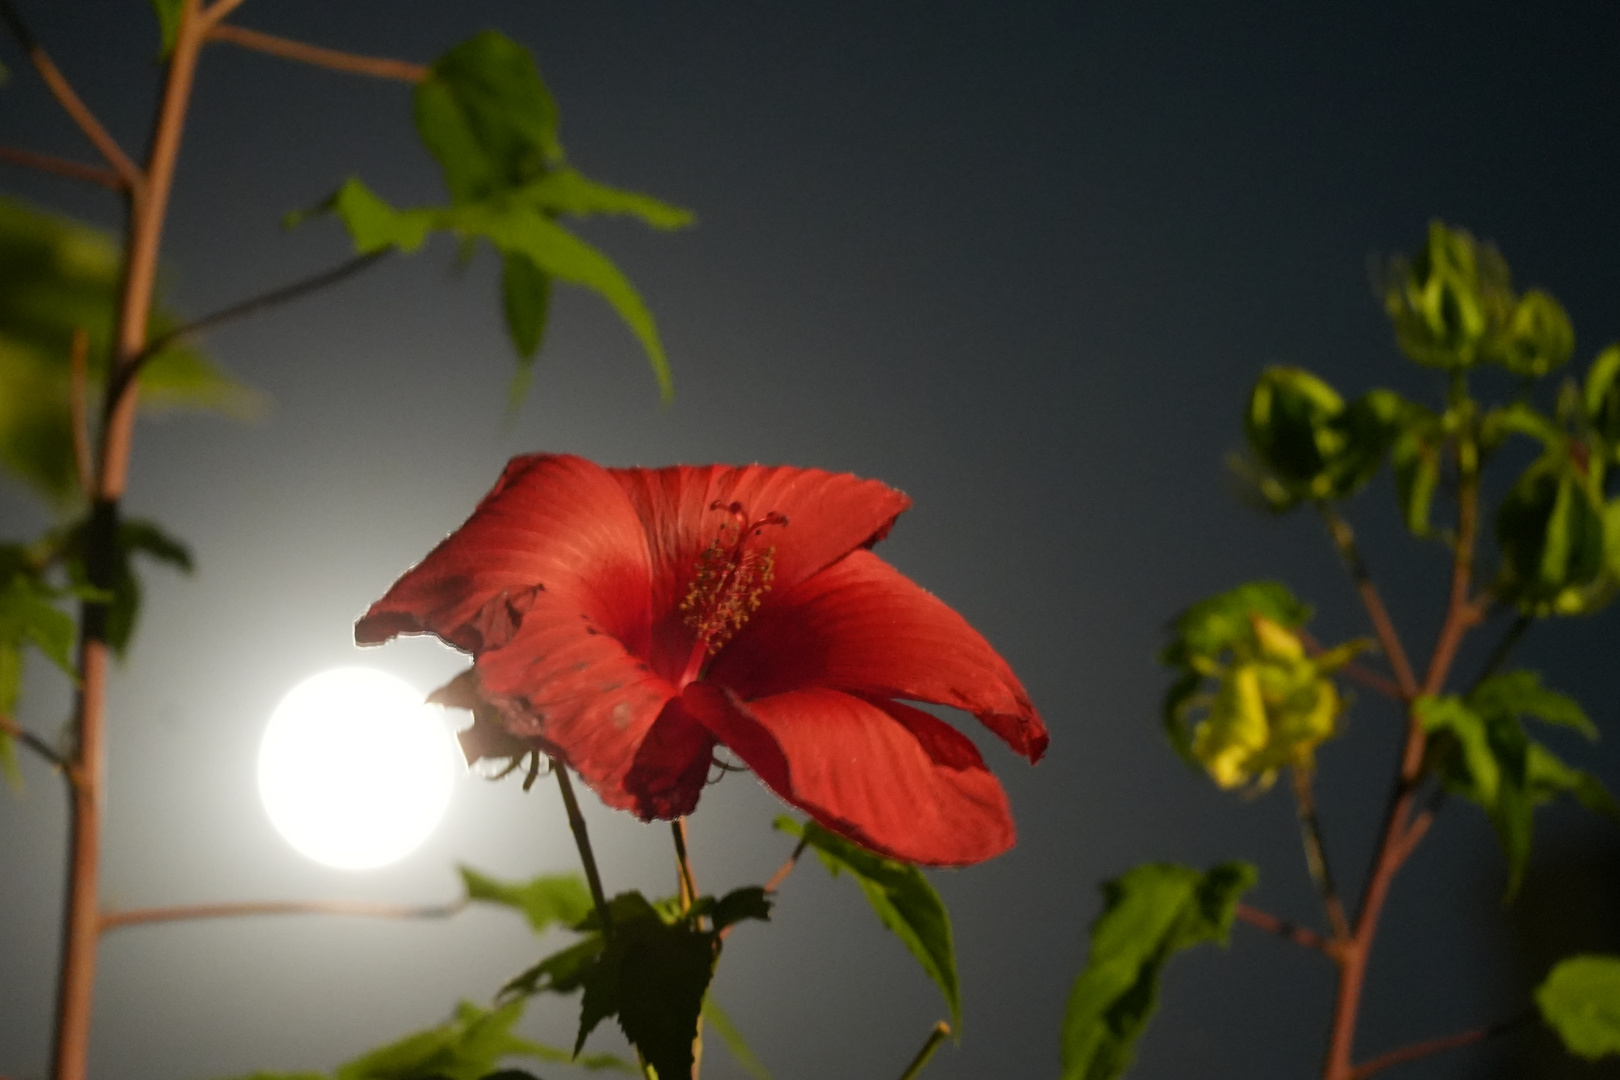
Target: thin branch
{"points": [[1367, 677], [219, 10], [63, 92], [582, 839], [1310, 831], [1461, 612], [376, 66], [1345, 540], [786, 868], [38, 745], [79, 411], [115, 920], [126, 375], [1435, 1046], [1504, 648], [73, 170], [1299, 935], [941, 1032]]}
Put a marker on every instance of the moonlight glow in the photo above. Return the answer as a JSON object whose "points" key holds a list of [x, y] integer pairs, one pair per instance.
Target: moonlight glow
{"points": [[354, 770]]}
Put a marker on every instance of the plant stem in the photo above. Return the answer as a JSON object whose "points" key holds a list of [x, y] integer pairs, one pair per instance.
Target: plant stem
{"points": [[1401, 830], [1299, 935], [147, 197], [1435, 1046], [582, 840], [687, 885], [252, 305], [65, 96], [941, 1032], [287, 49], [115, 920], [1310, 831], [786, 868], [1344, 539], [10, 727], [73, 170], [1504, 648]]}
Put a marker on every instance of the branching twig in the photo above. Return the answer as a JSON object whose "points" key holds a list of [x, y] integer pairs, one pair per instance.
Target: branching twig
{"points": [[73, 170], [38, 745], [115, 920], [1344, 539], [129, 174], [941, 1032], [1310, 830], [1299, 935], [288, 49], [219, 10], [1435, 1046], [126, 375]]}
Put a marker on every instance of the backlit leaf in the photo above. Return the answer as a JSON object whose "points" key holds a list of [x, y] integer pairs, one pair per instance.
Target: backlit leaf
{"points": [[1520, 693], [57, 276], [566, 192], [135, 537], [903, 899], [1580, 999], [1148, 915], [545, 901], [1550, 531]]}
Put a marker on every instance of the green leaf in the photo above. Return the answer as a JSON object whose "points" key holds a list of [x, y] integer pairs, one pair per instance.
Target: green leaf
{"points": [[466, 1048], [517, 231], [1580, 999], [168, 16], [1415, 456], [57, 276], [526, 295], [1148, 915], [486, 115], [721, 1025], [749, 902], [1520, 693], [28, 617], [1211, 626], [1537, 338], [545, 901], [903, 899], [1448, 301], [1602, 397], [1550, 531], [564, 191], [562, 972]]}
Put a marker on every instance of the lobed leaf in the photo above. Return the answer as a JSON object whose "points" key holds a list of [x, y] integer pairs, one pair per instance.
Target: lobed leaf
{"points": [[1211, 626], [1580, 999], [1151, 913], [1550, 529], [545, 901], [903, 899], [1520, 693]]}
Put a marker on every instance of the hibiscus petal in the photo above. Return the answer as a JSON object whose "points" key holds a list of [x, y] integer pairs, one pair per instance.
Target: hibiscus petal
{"points": [[563, 680], [862, 626], [887, 776], [553, 524]]}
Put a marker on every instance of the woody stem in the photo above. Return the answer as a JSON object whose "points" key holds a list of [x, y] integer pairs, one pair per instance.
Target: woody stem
{"points": [[1310, 831], [582, 840]]}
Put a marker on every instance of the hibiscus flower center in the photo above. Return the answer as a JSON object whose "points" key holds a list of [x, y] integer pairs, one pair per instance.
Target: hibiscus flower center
{"points": [[733, 575]]}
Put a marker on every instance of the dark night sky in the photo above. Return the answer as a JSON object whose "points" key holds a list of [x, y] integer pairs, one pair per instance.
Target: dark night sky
{"points": [[1022, 261]]}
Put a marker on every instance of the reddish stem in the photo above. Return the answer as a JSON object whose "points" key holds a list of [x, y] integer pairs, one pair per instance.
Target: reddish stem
{"points": [[1284, 929], [73, 170], [114, 920], [376, 66]]}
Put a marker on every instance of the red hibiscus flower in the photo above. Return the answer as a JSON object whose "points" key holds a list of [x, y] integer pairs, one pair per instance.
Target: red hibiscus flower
{"points": [[626, 621]]}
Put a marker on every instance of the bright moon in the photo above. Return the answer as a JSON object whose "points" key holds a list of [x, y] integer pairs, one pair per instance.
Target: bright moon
{"points": [[355, 770]]}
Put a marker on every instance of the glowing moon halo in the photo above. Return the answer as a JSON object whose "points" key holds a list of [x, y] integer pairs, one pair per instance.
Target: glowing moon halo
{"points": [[354, 769]]}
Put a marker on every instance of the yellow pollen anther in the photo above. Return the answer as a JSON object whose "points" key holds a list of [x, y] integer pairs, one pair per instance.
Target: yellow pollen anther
{"points": [[731, 580]]}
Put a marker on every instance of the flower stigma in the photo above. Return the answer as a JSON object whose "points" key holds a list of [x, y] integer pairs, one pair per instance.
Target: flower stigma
{"points": [[731, 580]]}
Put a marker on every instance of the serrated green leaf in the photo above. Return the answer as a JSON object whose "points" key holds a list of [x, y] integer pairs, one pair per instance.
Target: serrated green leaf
{"points": [[168, 16], [664, 974], [903, 899], [562, 972], [469, 1046], [545, 901], [57, 276], [29, 615], [373, 224], [1580, 999], [565, 191], [486, 115], [749, 902], [721, 1025], [1148, 915]]}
